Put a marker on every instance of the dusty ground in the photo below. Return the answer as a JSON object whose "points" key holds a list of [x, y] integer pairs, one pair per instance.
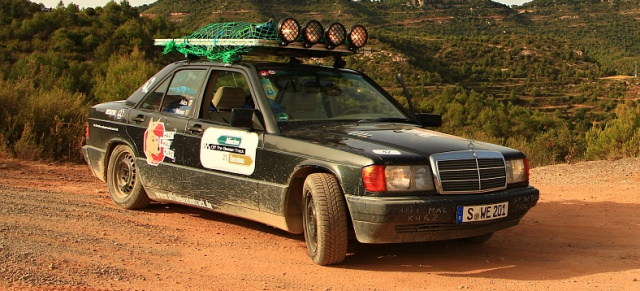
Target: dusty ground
{"points": [[60, 231]]}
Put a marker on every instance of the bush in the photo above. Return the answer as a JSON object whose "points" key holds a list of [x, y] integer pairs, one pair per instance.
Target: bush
{"points": [[39, 124], [125, 74], [618, 139]]}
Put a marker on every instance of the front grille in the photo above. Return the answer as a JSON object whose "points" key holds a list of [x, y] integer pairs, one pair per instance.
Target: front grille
{"points": [[469, 172]]}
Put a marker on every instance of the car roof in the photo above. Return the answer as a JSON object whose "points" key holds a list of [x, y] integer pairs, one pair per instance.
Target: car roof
{"points": [[257, 64]]}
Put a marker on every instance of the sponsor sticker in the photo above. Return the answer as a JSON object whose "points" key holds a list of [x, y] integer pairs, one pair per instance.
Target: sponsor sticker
{"points": [[147, 86], [104, 127], [282, 116], [185, 200], [386, 152], [359, 134], [423, 133], [157, 143], [268, 88], [111, 112], [229, 150]]}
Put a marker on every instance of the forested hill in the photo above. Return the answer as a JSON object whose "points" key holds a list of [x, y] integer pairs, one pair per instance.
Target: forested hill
{"points": [[552, 78], [608, 31], [531, 76]]}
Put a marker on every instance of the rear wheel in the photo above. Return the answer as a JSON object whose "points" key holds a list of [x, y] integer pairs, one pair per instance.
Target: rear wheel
{"points": [[123, 179], [324, 219]]}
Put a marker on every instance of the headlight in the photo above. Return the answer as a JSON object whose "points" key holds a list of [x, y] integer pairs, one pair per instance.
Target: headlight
{"points": [[288, 30], [517, 171], [380, 178], [423, 177], [335, 35], [398, 178], [312, 32], [357, 36]]}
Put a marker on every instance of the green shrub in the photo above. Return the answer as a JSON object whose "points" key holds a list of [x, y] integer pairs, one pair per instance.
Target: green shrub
{"points": [[619, 138], [5, 152], [39, 124], [124, 74]]}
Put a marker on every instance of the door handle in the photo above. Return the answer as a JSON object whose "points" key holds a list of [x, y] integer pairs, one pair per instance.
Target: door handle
{"points": [[196, 129], [138, 119]]}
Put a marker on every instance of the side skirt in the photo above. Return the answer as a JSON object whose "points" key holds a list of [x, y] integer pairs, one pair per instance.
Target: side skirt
{"points": [[224, 208]]}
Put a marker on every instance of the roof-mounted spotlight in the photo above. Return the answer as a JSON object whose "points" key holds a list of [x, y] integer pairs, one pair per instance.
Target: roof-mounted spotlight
{"points": [[288, 30], [312, 33], [335, 35], [357, 36]]}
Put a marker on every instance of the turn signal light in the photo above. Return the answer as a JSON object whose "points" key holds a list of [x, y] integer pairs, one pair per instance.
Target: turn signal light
{"points": [[373, 178]]}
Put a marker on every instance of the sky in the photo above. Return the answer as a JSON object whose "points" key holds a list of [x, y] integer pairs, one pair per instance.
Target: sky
{"points": [[134, 3]]}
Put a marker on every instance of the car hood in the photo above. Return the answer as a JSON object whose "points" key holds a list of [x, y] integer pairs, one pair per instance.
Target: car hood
{"points": [[391, 141]]}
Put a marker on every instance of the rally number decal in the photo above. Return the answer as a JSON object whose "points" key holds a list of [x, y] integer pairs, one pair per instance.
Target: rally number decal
{"points": [[229, 150]]}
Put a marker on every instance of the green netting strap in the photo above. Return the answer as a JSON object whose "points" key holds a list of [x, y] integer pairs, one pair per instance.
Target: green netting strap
{"points": [[227, 52]]}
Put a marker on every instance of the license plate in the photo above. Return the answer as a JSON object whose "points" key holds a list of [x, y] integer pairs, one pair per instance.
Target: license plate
{"points": [[482, 212]]}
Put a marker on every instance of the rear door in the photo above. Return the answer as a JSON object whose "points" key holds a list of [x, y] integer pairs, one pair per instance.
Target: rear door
{"points": [[157, 127]]}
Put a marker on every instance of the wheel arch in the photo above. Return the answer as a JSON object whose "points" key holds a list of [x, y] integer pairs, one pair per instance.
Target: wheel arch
{"points": [[107, 155], [293, 201]]}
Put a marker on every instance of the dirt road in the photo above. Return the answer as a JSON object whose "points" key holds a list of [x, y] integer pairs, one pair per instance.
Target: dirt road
{"points": [[60, 231]]}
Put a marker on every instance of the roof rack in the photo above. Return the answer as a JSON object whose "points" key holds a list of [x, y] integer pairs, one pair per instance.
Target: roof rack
{"points": [[230, 41], [260, 47]]}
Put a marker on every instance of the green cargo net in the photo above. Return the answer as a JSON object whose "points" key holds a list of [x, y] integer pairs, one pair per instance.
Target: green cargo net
{"points": [[229, 41], [226, 41]]}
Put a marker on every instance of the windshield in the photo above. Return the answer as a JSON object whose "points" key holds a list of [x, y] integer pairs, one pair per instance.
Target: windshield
{"points": [[324, 95]]}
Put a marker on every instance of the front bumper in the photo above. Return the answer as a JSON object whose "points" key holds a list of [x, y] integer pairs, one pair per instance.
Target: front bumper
{"points": [[431, 218]]}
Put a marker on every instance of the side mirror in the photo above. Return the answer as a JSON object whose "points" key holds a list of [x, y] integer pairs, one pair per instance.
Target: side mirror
{"points": [[430, 120], [246, 118]]}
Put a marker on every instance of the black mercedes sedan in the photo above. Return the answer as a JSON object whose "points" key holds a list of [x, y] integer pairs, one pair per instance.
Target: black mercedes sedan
{"points": [[316, 150]]}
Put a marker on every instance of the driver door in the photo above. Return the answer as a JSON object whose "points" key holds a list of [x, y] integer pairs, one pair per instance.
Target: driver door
{"points": [[222, 159]]}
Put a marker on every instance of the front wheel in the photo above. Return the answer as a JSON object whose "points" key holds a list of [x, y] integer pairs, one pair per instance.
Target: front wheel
{"points": [[324, 219], [123, 179]]}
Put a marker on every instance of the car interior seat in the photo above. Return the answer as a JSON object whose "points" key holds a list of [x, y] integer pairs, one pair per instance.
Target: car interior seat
{"points": [[306, 103], [225, 99]]}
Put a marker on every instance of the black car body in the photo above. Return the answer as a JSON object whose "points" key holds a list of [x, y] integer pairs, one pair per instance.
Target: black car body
{"points": [[306, 149]]}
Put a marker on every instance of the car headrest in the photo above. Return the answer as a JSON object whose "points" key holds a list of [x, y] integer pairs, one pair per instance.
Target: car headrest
{"points": [[228, 98]]}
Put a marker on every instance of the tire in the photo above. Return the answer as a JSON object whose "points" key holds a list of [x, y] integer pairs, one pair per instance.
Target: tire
{"points": [[324, 219], [123, 179]]}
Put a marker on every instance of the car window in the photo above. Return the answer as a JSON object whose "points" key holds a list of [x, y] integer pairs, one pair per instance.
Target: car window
{"points": [[232, 79], [183, 91], [226, 90], [321, 95], [154, 99]]}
